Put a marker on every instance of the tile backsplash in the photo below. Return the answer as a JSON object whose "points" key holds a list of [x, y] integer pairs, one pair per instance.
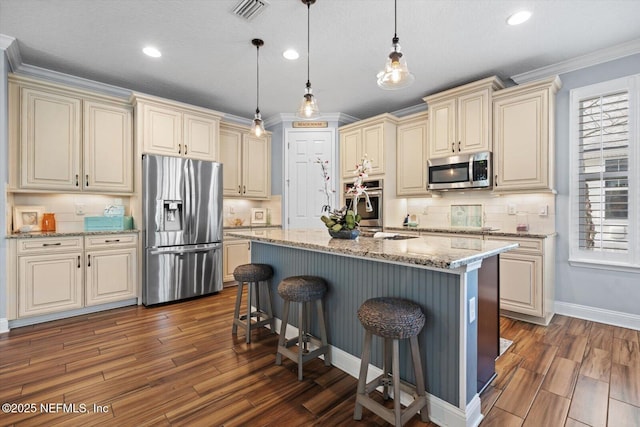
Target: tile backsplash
{"points": [[480, 209], [238, 211]]}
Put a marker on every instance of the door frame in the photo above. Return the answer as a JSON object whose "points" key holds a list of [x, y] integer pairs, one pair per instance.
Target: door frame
{"points": [[335, 177]]}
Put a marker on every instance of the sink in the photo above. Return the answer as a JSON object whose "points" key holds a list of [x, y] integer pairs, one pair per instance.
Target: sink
{"points": [[400, 237]]}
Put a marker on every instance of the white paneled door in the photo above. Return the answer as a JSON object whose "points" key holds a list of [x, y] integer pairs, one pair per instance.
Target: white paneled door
{"points": [[304, 182]]}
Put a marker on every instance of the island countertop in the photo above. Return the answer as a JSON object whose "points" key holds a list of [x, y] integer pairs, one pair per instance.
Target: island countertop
{"points": [[447, 253]]}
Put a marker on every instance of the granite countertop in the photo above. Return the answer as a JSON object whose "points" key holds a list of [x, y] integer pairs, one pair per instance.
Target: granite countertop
{"points": [[428, 251], [476, 231], [249, 227], [36, 234]]}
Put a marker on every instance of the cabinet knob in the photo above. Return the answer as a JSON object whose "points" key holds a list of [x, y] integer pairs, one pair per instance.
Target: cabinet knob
{"points": [[453, 149], [179, 148], [88, 260], [239, 190], [244, 189], [86, 180], [77, 183], [458, 146]]}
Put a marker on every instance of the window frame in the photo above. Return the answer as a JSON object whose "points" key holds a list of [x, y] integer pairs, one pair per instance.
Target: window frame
{"points": [[629, 260]]}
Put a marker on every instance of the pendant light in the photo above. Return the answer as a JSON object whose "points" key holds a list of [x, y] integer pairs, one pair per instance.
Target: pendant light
{"points": [[257, 127], [395, 74], [309, 106]]}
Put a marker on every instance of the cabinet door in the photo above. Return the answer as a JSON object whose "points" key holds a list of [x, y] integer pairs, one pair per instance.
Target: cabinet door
{"points": [[442, 129], [108, 148], [473, 122], [49, 283], [373, 147], [411, 162], [235, 253], [110, 275], [162, 133], [256, 179], [521, 148], [521, 283], [231, 158], [350, 152], [49, 141], [200, 137]]}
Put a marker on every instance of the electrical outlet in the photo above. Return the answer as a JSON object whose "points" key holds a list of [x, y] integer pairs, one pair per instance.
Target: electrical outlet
{"points": [[79, 209], [472, 310], [543, 210], [511, 209]]}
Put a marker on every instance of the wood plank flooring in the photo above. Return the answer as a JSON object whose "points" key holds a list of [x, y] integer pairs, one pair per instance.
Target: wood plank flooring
{"points": [[179, 365]]}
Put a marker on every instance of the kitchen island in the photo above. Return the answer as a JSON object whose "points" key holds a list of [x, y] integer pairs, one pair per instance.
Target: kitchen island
{"points": [[455, 281]]}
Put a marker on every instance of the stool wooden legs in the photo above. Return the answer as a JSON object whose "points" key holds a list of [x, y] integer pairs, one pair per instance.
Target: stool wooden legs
{"points": [[391, 359], [303, 354], [262, 317]]}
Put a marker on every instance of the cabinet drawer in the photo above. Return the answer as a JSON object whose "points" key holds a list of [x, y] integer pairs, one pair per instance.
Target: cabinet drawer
{"points": [[110, 241], [49, 244], [526, 245]]}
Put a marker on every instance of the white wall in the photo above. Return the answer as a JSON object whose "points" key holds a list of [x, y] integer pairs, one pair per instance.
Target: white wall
{"points": [[599, 289]]}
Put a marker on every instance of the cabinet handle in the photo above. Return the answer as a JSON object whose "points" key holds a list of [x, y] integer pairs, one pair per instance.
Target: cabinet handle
{"points": [[453, 149], [185, 149], [77, 183], [179, 148], [52, 244], [112, 241], [239, 191], [495, 182], [244, 189], [88, 260], [78, 261], [86, 180], [458, 146]]}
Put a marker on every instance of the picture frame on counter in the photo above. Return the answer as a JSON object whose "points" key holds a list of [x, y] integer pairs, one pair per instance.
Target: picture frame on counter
{"points": [[258, 216], [27, 218]]}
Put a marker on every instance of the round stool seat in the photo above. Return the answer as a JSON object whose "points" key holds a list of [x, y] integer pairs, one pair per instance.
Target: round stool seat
{"points": [[253, 272], [394, 318], [302, 288]]}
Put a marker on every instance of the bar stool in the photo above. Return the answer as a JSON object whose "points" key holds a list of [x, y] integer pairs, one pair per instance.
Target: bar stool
{"points": [[253, 275], [303, 289], [392, 319]]}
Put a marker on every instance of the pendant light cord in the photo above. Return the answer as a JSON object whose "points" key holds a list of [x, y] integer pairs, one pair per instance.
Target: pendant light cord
{"points": [[395, 22], [257, 79], [308, 43]]}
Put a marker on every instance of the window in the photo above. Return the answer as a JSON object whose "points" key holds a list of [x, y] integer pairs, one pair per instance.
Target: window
{"points": [[605, 188]]}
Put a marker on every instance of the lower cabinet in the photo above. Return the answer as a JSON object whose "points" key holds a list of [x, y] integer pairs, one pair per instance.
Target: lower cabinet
{"points": [[235, 253], [56, 274]]}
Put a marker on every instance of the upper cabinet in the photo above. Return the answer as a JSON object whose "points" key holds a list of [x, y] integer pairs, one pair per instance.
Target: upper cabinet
{"points": [[370, 137], [68, 140], [524, 136], [247, 162], [460, 118], [174, 129], [411, 155]]}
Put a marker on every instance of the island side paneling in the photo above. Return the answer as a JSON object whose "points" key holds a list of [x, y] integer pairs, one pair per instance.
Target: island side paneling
{"points": [[353, 280]]}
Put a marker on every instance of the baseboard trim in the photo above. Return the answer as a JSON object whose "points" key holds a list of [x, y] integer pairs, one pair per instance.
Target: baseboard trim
{"points": [[609, 317], [4, 325], [440, 412]]}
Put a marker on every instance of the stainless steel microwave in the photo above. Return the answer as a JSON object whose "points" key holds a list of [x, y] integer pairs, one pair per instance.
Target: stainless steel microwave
{"points": [[460, 172]]}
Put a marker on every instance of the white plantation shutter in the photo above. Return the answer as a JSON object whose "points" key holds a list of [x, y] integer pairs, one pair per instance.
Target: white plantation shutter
{"points": [[605, 190]]}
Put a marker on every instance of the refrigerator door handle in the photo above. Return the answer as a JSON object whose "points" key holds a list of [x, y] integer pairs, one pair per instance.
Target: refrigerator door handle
{"points": [[181, 251]]}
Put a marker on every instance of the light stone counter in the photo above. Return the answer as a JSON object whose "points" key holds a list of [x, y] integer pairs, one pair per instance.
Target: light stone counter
{"points": [[38, 234], [428, 251]]}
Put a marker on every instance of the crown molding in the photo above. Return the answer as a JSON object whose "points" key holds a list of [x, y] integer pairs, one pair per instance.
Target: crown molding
{"points": [[410, 110], [594, 58], [10, 46], [232, 118], [78, 82]]}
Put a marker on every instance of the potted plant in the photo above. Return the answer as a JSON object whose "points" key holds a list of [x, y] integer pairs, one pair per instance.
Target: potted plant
{"points": [[342, 223]]}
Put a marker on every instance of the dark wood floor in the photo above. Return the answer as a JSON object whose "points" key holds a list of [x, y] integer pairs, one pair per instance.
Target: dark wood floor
{"points": [[179, 365]]}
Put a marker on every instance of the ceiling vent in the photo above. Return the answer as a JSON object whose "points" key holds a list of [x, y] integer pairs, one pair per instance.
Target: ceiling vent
{"points": [[249, 9]]}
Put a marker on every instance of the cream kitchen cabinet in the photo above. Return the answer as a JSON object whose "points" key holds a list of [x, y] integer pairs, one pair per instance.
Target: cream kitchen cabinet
{"points": [[460, 118], [68, 140], [170, 128], [111, 268], [524, 136], [411, 155], [527, 274], [235, 253], [374, 137], [247, 162], [50, 275]]}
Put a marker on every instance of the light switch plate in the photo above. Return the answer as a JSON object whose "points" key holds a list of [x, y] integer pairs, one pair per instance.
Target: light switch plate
{"points": [[472, 310], [79, 209], [511, 209]]}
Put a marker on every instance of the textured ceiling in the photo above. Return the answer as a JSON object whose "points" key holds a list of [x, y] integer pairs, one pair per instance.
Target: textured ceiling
{"points": [[208, 59]]}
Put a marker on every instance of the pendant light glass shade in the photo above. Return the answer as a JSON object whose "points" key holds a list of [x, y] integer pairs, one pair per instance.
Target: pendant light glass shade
{"points": [[257, 127], [309, 106], [395, 74]]}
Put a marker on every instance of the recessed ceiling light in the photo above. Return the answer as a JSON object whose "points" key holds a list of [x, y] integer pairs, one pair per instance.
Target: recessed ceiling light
{"points": [[519, 17], [152, 52], [291, 54]]}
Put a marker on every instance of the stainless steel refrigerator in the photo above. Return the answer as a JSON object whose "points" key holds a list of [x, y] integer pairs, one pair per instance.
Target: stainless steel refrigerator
{"points": [[182, 228]]}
